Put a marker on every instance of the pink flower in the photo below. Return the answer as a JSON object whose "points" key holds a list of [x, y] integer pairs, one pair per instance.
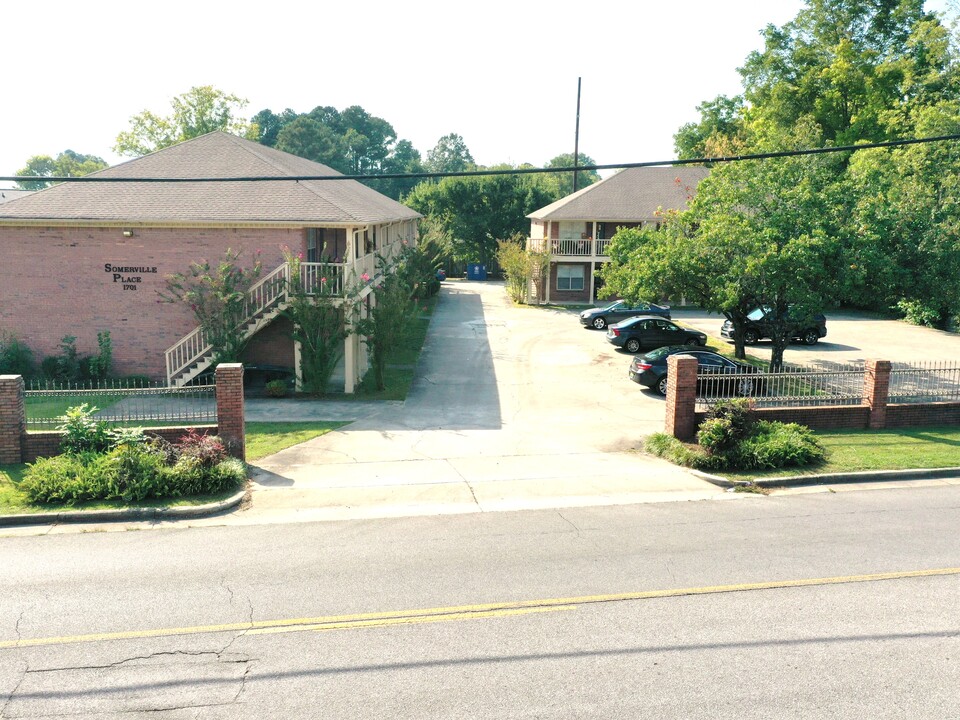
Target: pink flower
{"points": [[299, 256], [322, 280], [365, 277]]}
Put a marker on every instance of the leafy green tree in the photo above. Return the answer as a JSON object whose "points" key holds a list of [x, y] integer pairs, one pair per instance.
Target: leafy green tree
{"points": [[200, 110], [905, 252], [718, 133], [512, 257], [403, 159], [269, 125], [474, 212], [352, 142], [217, 296], [66, 164], [311, 139], [561, 184], [388, 325], [450, 154], [318, 325]]}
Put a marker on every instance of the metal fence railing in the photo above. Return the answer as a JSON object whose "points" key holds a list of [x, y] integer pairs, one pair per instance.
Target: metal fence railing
{"points": [[121, 403], [930, 381], [830, 384], [794, 386]]}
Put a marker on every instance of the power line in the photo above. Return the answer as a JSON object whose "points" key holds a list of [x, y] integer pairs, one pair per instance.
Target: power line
{"points": [[489, 172]]}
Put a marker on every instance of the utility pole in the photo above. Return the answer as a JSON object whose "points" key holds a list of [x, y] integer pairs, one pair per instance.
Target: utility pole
{"points": [[576, 140]]}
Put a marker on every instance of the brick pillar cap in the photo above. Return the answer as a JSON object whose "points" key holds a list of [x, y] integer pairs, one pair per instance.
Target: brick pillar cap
{"points": [[229, 366]]}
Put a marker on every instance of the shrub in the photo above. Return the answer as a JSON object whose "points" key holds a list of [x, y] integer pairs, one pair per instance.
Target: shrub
{"points": [[731, 440], [208, 450], [82, 432], [777, 445], [15, 357], [918, 312], [135, 472], [276, 388], [727, 423], [58, 479]]}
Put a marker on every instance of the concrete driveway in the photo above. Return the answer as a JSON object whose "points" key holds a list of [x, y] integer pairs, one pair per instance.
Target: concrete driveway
{"points": [[850, 337], [511, 407]]}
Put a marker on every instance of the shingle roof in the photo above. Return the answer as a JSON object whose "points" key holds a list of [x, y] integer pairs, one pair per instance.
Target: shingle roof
{"points": [[634, 194], [217, 154], [8, 194]]}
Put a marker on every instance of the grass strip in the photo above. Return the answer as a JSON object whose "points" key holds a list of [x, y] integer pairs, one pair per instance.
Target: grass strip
{"points": [[867, 450]]}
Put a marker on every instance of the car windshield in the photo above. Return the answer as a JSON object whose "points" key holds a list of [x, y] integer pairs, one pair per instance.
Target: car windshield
{"points": [[658, 353], [756, 314], [614, 305]]}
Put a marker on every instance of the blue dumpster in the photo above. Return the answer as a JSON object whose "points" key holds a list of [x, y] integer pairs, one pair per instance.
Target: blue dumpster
{"points": [[476, 271]]}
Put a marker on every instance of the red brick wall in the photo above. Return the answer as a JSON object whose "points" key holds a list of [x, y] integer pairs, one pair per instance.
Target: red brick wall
{"points": [[944, 413], [12, 418], [53, 283], [570, 295], [271, 346], [818, 418], [47, 442]]}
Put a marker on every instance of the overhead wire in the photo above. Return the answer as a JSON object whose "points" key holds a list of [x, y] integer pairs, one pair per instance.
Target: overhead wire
{"points": [[494, 171]]}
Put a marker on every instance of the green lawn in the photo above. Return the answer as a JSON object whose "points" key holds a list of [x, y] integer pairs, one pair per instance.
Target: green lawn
{"points": [[398, 376], [266, 438], [861, 451], [262, 439], [55, 407]]}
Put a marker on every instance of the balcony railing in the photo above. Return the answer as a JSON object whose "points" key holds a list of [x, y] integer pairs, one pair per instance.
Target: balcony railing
{"points": [[571, 247]]}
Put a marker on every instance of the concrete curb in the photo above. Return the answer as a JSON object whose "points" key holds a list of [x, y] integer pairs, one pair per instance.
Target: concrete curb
{"points": [[836, 478], [183, 512]]}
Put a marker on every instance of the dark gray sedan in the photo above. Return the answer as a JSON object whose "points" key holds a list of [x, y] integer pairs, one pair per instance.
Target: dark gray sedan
{"points": [[599, 318], [645, 332]]}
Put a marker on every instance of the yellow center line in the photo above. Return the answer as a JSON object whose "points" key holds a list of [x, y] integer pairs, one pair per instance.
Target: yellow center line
{"points": [[462, 612]]}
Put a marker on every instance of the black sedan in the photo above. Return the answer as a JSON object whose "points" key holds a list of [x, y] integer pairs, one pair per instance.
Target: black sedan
{"points": [[716, 374], [647, 332], [599, 318]]}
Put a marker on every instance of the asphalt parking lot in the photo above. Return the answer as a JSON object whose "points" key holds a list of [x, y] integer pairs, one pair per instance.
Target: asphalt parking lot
{"points": [[851, 336]]}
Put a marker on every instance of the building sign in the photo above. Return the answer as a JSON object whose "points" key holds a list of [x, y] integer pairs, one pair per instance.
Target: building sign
{"points": [[129, 276]]}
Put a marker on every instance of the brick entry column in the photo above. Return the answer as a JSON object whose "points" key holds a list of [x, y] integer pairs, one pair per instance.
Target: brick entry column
{"points": [[230, 424], [681, 420], [876, 390], [13, 422]]}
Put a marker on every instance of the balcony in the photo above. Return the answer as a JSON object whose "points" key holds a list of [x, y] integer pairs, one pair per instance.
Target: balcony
{"points": [[575, 248]]}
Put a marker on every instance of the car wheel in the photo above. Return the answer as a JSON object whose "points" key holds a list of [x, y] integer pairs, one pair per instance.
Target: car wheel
{"points": [[745, 387], [750, 337], [692, 342], [811, 337], [599, 323], [662, 386], [632, 345]]}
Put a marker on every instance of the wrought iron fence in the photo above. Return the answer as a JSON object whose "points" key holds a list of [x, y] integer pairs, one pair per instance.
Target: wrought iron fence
{"points": [[830, 384], [794, 386], [930, 381], [121, 402]]}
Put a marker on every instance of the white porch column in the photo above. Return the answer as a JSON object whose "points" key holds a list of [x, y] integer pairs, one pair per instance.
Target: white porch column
{"points": [[298, 365], [593, 279], [350, 364]]}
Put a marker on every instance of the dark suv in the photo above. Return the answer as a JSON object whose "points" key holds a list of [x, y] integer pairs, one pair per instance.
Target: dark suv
{"points": [[808, 329]]}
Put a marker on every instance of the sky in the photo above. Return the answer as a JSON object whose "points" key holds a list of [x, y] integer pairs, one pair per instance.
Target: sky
{"points": [[501, 74]]}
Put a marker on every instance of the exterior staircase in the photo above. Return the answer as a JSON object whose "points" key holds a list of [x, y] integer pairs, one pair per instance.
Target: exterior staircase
{"points": [[192, 354]]}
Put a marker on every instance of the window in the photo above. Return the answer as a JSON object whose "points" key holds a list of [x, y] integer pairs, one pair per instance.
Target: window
{"points": [[569, 277], [314, 243]]}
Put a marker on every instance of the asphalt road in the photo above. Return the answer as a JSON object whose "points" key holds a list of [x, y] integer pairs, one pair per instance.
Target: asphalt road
{"points": [[686, 610]]}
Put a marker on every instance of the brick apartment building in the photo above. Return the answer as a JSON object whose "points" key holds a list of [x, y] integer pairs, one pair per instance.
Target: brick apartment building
{"points": [[579, 226], [82, 257]]}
